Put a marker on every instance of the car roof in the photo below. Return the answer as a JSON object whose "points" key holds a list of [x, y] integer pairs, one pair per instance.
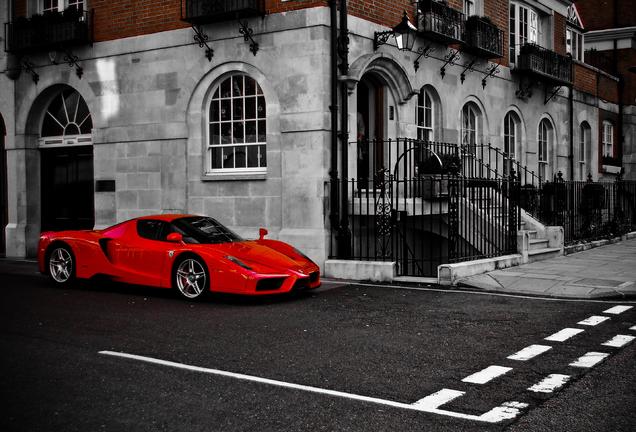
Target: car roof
{"points": [[165, 217]]}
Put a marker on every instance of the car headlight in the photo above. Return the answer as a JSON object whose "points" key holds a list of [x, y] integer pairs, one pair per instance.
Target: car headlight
{"points": [[238, 262]]}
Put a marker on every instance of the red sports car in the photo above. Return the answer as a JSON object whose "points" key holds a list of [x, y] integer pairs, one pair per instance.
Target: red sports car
{"points": [[192, 254]]}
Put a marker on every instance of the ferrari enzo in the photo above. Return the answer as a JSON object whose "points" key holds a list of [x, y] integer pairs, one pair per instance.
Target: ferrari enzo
{"points": [[191, 254]]}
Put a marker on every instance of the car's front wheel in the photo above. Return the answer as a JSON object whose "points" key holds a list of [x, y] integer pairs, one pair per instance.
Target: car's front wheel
{"points": [[61, 265], [190, 278]]}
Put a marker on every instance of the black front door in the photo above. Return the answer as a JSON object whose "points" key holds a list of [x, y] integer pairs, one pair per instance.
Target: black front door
{"points": [[67, 188]]}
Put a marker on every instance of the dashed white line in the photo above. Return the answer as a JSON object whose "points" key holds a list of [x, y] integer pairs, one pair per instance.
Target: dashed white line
{"points": [[485, 375], [619, 341], [617, 310], [437, 399], [506, 411], [590, 359], [529, 352], [550, 383], [563, 335], [593, 320]]}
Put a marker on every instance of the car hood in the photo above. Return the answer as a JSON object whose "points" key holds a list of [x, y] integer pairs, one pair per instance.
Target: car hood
{"points": [[253, 253]]}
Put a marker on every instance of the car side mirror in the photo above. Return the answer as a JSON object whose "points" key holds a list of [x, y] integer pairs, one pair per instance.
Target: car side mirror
{"points": [[262, 232], [175, 238]]}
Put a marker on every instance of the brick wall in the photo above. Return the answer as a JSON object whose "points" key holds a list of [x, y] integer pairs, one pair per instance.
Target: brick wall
{"points": [[585, 79], [599, 14], [497, 11], [559, 33], [275, 6], [20, 8], [385, 12]]}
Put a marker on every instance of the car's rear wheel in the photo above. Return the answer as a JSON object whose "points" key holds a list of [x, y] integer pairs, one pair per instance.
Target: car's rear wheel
{"points": [[190, 278], [61, 265]]}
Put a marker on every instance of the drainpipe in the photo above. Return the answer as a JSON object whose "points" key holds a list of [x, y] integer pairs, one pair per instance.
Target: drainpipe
{"points": [[571, 115], [344, 235], [13, 62], [334, 217]]}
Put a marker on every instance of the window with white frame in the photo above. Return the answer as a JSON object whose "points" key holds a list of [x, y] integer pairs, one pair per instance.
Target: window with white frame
{"points": [[524, 28], [60, 5], [511, 139], [585, 135], [424, 116], [545, 145], [473, 7], [470, 127], [608, 139], [574, 43], [237, 126]]}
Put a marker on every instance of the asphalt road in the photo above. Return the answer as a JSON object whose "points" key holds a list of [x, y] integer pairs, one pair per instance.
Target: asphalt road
{"points": [[396, 345]]}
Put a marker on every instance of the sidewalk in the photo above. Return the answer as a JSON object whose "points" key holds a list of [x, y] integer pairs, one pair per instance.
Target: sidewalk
{"points": [[604, 272]]}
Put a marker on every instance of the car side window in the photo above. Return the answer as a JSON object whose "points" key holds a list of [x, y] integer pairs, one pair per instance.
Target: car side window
{"points": [[152, 229]]}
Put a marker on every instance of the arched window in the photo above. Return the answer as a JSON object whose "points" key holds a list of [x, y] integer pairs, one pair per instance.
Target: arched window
{"points": [[511, 139], [545, 143], [425, 116], [470, 122], [585, 136], [237, 126], [67, 120]]}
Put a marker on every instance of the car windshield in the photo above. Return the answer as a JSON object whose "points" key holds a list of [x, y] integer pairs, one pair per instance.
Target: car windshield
{"points": [[199, 229]]}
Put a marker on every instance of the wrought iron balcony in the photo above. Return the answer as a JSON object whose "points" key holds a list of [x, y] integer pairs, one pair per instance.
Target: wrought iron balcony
{"points": [[207, 11], [51, 30], [440, 22], [554, 68], [483, 38]]}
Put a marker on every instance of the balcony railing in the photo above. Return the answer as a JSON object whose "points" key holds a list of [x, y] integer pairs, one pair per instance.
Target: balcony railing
{"points": [[207, 11], [553, 67], [440, 22], [50, 30], [483, 38]]}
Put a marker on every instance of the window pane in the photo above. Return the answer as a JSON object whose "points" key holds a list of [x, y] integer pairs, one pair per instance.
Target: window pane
{"points": [[250, 131], [262, 154], [226, 88], [262, 131], [216, 158], [237, 86], [250, 86], [252, 156], [50, 127], [428, 120], [250, 108], [228, 157], [237, 105], [214, 111], [420, 116], [260, 108], [237, 133], [215, 134], [226, 107], [240, 157], [226, 133]]}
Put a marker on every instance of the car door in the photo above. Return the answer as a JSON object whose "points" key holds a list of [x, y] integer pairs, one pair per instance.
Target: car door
{"points": [[147, 251]]}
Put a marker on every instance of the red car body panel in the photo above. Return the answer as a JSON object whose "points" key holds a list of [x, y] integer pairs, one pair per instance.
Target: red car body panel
{"points": [[121, 254]]}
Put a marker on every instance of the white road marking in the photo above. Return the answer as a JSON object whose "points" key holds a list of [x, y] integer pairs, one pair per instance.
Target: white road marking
{"points": [[590, 359], [563, 335], [529, 352], [437, 399], [593, 320], [550, 383], [619, 341], [485, 375], [617, 310], [505, 411]]}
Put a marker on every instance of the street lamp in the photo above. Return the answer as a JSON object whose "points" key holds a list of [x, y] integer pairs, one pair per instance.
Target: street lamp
{"points": [[404, 33]]}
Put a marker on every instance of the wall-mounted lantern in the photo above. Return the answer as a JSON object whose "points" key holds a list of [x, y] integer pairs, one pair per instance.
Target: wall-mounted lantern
{"points": [[405, 33]]}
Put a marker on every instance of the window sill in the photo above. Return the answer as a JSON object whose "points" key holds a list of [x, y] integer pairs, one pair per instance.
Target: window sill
{"points": [[232, 176]]}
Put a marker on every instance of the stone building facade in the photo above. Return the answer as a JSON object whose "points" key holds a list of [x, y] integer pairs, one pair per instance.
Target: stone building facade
{"points": [[246, 137]]}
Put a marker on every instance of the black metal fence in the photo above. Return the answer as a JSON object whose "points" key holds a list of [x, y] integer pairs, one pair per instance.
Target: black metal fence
{"points": [[586, 210], [483, 37], [439, 21], [205, 11], [545, 62]]}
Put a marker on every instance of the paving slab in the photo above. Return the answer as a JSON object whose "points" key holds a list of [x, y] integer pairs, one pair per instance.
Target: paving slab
{"points": [[607, 271]]}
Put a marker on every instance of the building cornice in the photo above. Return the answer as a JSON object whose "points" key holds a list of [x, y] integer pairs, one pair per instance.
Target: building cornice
{"points": [[610, 34]]}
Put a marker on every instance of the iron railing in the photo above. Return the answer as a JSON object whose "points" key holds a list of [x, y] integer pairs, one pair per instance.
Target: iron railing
{"points": [[51, 30], [483, 38], [207, 11], [586, 210], [440, 22], [545, 63], [486, 161], [426, 221]]}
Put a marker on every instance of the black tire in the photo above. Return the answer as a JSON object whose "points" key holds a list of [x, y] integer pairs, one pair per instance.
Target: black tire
{"points": [[60, 265], [190, 278]]}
